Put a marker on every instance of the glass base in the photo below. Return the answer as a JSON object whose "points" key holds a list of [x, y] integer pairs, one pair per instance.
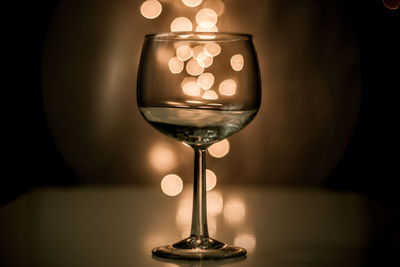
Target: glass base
{"points": [[199, 248]]}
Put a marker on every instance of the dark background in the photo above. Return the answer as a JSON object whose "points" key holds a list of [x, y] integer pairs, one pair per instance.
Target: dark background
{"points": [[370, 164]]}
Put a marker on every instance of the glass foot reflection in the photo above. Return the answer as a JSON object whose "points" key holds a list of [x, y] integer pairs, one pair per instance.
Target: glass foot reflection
{"points": [[199, 248]]}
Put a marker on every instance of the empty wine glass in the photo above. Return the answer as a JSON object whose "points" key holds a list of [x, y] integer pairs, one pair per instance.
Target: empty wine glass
{"points": [[198, 88]]}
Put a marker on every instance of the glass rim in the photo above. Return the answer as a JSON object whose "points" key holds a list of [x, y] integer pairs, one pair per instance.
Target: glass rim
{"points": [[200, 36]]}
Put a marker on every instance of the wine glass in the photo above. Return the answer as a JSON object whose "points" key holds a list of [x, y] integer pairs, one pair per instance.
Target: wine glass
{"points": [[198, 88]]}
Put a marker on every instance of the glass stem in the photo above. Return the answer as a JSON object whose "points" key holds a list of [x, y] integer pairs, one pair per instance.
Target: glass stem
{"points": [[199, 213]]}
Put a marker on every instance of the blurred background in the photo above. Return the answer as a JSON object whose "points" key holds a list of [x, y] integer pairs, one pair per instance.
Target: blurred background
{"points": [[330, 76]]}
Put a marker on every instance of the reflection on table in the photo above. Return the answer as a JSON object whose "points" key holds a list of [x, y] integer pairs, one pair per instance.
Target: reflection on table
{"points": [[118, 226]]}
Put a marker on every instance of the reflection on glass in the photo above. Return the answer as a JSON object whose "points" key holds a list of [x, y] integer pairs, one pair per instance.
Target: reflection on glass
{"points": [[193, 102], [234, 210]]}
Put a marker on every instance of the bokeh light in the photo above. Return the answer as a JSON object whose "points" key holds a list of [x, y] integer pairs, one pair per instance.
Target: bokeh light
{"points": [[192, 3], [197, 50], [212, 29], [234, 211], [391, 4], [206, 62], [205, 80], [151, 9], [220, 149], [217, 5], [247, 241], [181, 24], [213, 49], [227, 87], [237, 62], [206, 18], [152, 240], [184, 52], [211, 180], [190, 86], [171, 185], [184, 211], [210, 95], [193, 68], [175, 65], [162, 157], [212, 225], [163, 55], [201, 57], [215, 203]]}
